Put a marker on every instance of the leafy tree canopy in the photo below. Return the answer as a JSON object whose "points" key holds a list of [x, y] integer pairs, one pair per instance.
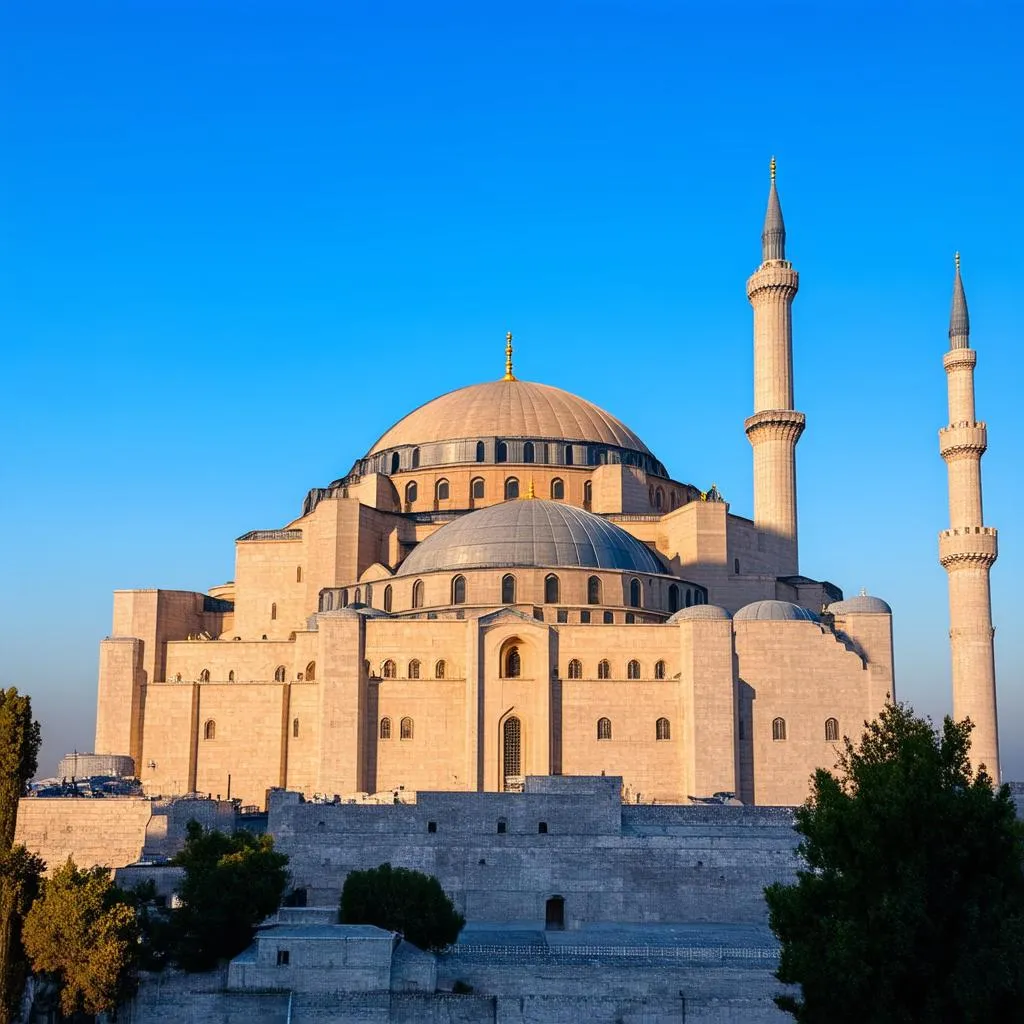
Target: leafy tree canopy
{"points": [[19, 752], [401, 900], [911, 906], [81, 931], [231, 883], [20, 874]]}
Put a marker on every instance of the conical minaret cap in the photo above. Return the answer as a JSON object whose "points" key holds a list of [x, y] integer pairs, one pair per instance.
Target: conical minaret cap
{"points": [[773, 238], [959, 321]]}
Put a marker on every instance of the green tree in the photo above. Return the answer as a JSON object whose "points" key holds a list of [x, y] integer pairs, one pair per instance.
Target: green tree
{"points": [[401, 900], [231, 883], [19, 871], [911, 904], [84, 933]]}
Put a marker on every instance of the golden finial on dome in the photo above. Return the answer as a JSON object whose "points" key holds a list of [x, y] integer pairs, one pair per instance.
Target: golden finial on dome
{"points": [[530, 492], [509, 375], [771, 168], [956, 260]]}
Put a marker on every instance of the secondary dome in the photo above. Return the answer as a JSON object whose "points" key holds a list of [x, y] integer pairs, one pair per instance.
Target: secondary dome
{"points": [[777, 610], [530, 532], [861, 603], [509, 408]]}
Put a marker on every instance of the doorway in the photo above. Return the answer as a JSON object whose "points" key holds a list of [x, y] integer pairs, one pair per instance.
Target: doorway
{"points": [[554, 914]]}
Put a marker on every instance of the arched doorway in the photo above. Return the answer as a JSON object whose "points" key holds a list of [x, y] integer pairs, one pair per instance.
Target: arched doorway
{"points": [[511, 754], [554, 914]]}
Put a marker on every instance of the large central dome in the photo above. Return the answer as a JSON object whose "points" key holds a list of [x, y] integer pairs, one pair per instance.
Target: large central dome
{"points": [[509, 408], [530, 532]]}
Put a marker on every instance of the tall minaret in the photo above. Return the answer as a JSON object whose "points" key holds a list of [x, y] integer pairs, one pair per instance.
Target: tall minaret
{"points": [[968, 549], [775, 427]]}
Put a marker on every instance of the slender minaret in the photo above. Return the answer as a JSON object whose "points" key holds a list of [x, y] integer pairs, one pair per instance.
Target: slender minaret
{"points": [[775, 427], [968, 549]]}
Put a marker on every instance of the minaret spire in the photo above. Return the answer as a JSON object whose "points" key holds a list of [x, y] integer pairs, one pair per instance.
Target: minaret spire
{"points": [[773, 237], [776, 426], [968, 549]]}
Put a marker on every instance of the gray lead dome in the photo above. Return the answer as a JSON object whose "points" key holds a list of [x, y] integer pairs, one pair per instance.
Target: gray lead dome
{"points": [[530, 532]]}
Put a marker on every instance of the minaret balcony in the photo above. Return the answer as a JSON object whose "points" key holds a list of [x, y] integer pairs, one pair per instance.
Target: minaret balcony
{"points": [[963, 441], [968, 547], [959, 359], [775, 425], [774, 275]]}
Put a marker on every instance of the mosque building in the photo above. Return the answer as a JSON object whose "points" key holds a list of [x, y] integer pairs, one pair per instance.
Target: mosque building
{"points": [[509, 583]]}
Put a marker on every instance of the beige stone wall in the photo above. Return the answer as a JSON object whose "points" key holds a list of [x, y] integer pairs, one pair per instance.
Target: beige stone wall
{"points": [[109, 832]]}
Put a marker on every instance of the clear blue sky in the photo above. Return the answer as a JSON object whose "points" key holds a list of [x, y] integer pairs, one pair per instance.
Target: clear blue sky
{"points": [[237, 241]]}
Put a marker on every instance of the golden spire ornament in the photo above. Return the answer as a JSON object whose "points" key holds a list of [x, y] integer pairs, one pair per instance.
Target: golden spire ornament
{"points": [[509, 375], [530, 493], [956, 260], [771, 168]]}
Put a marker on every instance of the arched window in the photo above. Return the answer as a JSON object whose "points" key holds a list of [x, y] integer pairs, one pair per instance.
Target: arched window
{"points": [[675, 500], [630, 618], [395, 462], [511, 488], [588, 494], [481, 451], [568, 455], [501, 452], [633, 670], [528, 452], [439, 670], [368, 596], [357, 596], [551, 589], [405, 729], [594, 590], [417, 594], [388, 669], [659, 670], [298, 574], [634, 593], [557, 489], [831, 730], [279, 674], [689, 597], [387, 598], [204, 676], [343, 599], [327, 601], [604, 670], [659, 498], [508, 589], [273, 611], [459, 590], [210, 730], [736, 566], [698, 597], [575, 669], [512, 663], [476, 489], [608, 618], [673, 598], [512, 747], [441, 490], [662, 729], [231, 676], [778, 729], [414, 669], [410, 492], [585, 615], [415, 458], [385, 728], [604, 728], [295, 728]]}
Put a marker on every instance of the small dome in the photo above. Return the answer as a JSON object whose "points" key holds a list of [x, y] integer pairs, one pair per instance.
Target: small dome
{"points": [[862, 604], [509, 408], [530, 532], [776, 610], [700, 611]]}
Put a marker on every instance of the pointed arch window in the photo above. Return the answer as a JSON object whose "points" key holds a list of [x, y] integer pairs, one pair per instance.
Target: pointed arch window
{"points": [[414, 669], [512, 663], [417, 594], [594, 590], [442, 490], [501, 452], [659, 670], [481, 451], [528, 452], [604, 728], [511, 488], [604, 670], [476, 489], [405, 729], [210, 730], [440, 670], [204, 676], [410, 492], [778, 729], [388, 670], [575, 669], [635, 593], [385, 728], [508, 589], [831, 730], [551, 589], [557, 489], [662, 729], [673, 598], [279, 674], [633, 670], [459, 590], [387, 598]]}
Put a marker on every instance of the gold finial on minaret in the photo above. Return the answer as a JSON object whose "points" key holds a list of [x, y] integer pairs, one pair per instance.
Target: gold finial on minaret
{"points": [[530, 493], [956, 260], [509, 375], [771, 168]]}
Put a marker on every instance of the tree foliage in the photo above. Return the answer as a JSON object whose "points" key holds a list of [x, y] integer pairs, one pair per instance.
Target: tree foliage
{"points": [[19, 753], [401, 900], [911, 905], [83, 931], [20, 873], [231, 883]]}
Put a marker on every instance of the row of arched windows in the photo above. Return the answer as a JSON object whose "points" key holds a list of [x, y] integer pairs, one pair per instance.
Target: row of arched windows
{"points": [[210, 729], [604, 669], [389, 670], [662, 729], [478, 489], [405, 729], [831, 729], [280, 674], [656, 496]]}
